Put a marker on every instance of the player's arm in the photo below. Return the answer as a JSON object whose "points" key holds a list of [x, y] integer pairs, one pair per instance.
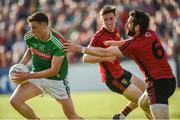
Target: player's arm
{"points": [[96, 51], [102, 52], [113, 43], [96, 59], [27, 57], [55, 66]]}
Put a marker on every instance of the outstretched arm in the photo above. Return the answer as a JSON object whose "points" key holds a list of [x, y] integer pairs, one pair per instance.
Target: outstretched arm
{"points": [[103, 52], [96, 51], [96, 59]]}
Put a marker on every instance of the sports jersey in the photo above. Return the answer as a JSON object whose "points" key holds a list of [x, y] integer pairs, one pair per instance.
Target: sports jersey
{"points": [[43, 51], [108, 70], [147, 51]]}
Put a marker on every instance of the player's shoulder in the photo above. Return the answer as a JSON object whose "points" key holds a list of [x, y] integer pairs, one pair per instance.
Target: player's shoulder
{"points": [[96, 39], [58, 35], [28, 35], [150, 33], [100, 32], [126, 43]]}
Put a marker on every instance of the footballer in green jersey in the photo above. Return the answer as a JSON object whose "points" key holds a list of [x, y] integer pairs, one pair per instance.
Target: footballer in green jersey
{"points": [[49, 69], [43, 51]]}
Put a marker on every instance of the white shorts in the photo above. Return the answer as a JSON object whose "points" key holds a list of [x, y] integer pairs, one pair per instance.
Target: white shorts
{"points": [[58, 89]]}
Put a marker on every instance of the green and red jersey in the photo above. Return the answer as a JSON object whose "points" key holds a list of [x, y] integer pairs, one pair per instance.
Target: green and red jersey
{"points": [[43, 52]]}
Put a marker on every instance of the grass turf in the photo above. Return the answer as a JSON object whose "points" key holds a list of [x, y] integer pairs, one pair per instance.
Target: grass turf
{"points": [[90, 105]]}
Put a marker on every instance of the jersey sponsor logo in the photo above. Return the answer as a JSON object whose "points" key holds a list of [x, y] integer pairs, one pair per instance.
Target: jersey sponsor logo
{"points": [[124, 81], [41, 54], [147, 34]]}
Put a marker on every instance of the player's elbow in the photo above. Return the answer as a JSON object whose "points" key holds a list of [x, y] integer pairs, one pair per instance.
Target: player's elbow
{"points": [[54, 72]]}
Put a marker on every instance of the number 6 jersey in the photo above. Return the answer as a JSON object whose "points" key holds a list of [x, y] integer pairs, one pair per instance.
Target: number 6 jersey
{"points": [[147, 51]]}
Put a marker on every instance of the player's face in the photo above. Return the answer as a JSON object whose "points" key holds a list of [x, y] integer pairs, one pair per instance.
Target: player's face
{"points": [[109, 21], [130, 27], [37, 29]]}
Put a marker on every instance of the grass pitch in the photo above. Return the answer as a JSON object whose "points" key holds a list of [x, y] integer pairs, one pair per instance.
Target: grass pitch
{"points": [[90, 105]]}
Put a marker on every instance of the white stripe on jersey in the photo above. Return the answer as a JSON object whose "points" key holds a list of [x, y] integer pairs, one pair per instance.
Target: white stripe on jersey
{"points": [[28, 35], [56, 41]]}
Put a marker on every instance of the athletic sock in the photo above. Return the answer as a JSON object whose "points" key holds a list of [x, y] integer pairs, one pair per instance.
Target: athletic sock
{"points": [[126, 111]]}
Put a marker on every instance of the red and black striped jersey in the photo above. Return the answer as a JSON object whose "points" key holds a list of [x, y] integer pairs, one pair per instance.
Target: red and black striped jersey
{"points": [[109, 71], [148, 53]]}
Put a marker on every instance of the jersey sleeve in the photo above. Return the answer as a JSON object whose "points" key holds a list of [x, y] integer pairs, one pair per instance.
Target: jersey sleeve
{"points": [[92, 41], [126, 48], [96, 41], [27, 37], [59, 52]]}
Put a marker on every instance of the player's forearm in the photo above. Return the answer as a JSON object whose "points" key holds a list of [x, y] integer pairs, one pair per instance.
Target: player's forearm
{"points": [[97, 59], [94, 51], [92, 59], [43, 74]]}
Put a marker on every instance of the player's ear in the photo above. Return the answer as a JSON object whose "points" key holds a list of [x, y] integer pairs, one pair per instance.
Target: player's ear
{"points": [[137, 28], [100, 20], [115, 18]]}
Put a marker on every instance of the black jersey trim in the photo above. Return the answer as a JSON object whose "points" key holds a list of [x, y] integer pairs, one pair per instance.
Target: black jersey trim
{"points": [[108, 73], [125, 45], [145, 70]]}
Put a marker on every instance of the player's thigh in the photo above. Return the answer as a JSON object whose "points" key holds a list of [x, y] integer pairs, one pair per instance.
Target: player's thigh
{"points": [[25, 91], [133, 93], [138, 82], [160, 90]]}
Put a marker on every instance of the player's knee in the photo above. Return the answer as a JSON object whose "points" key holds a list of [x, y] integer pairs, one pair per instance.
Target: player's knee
{"points": [[15, 102], [143, 104]]}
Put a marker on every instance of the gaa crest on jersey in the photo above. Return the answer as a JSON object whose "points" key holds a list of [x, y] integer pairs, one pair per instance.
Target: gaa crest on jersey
{"points": [[34, 45], [147, 34]]}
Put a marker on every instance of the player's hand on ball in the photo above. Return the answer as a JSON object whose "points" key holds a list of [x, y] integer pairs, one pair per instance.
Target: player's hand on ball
{"points": [[19, 77], [19, 73]]}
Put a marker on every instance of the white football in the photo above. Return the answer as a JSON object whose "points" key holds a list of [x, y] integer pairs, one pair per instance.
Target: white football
{"points": [[18, 68]]}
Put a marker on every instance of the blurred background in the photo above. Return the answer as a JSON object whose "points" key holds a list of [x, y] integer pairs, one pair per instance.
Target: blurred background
{"points": [[78, 20]]}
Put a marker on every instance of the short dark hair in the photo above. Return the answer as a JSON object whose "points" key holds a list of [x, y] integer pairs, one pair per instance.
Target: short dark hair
{"points": [[140, 18], [38, 17], [108, 9]]}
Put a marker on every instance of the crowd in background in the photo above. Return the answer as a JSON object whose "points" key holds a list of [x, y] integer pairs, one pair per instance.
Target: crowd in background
{"points": [[78, 20]]}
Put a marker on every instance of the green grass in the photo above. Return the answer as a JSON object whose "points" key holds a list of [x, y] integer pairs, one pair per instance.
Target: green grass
{"points": [[90, 105]]}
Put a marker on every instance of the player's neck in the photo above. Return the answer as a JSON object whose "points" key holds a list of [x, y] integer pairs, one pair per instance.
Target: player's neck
{"points": [[109, 30], [46, 35], [137, 33]]}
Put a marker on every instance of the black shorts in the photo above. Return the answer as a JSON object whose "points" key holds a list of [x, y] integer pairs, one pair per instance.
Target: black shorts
{"points": [[160, 90], [119, 85]]}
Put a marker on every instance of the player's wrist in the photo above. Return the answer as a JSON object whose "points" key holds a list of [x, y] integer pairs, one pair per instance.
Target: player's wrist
{"points": [[83, 49]]}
